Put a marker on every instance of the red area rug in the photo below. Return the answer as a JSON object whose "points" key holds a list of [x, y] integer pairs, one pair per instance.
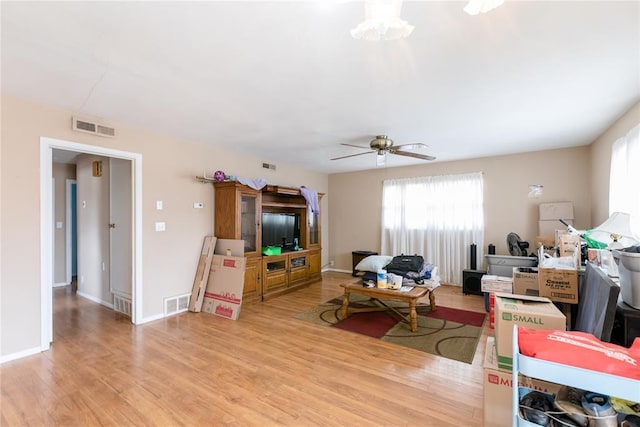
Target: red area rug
{"points": [[446, 332]]}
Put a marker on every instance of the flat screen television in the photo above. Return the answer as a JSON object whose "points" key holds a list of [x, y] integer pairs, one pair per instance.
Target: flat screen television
{"points": [[280, 228]]}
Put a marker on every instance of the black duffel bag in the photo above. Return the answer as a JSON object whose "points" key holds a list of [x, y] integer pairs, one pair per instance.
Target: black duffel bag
{"points": [[405, 263]]}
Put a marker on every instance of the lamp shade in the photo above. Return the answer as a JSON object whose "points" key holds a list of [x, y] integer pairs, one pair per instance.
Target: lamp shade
{"points": [[618, 224], [382, 22], [481, 6]]}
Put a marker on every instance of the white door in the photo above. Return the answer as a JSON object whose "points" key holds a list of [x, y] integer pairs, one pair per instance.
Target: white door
{"points": [[120, 223]]}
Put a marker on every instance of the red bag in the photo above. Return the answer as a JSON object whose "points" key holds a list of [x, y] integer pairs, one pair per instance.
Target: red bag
{"points": [[581, 350]]}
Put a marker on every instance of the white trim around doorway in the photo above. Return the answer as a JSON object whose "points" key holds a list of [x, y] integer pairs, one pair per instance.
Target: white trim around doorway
{"points": [[68, 237], [46, 228]]}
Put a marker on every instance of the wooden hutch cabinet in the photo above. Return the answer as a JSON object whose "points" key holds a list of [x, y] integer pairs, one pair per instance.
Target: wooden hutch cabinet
{"points": [[238, 215]]}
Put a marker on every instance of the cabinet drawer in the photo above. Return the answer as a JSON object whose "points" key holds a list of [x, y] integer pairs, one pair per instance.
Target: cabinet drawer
{"points": [[300, 273], [274, 279]]}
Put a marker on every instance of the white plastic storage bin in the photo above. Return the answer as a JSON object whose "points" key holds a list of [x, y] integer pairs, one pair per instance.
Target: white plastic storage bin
{"points": [[502, 265], [629, 272]]}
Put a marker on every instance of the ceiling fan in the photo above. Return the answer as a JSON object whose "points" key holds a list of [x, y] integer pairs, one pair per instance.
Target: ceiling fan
{"points": [[382, 145]]}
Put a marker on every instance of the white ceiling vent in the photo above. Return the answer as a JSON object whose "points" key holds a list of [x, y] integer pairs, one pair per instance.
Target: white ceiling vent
{"points": [[93, 127]]}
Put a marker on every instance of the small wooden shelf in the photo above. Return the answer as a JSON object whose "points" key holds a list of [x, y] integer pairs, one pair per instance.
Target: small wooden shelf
{"points": [[283, 205], [204, 179]]}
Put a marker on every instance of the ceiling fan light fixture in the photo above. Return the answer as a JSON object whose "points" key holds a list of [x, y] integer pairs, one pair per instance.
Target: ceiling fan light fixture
{"points": [[382, 144], [475, 7], [382, 22]]}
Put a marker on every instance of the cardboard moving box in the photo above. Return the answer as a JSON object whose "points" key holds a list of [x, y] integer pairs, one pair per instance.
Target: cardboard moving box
{"points": [[525, 281], [202, 274], [557, 210], [493, 283], [223, 296], [570, 245], [526, 311], [498, 385], [550, 227], [558, 284]]}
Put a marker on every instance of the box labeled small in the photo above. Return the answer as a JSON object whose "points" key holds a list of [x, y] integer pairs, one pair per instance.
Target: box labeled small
{"points": [[525, 281], [525, 311]]}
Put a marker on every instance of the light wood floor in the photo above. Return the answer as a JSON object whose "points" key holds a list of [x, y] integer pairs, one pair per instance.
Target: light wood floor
{"points": [[266, 368]]}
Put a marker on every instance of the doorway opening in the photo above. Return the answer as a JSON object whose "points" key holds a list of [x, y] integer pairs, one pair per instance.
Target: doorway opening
{"points": [[71, 237], [47, 145]]}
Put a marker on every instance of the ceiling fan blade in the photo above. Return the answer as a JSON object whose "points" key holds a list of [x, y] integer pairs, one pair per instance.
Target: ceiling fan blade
{"points": [[413, 146], [416, 155], [351, 145], [352, 155]]}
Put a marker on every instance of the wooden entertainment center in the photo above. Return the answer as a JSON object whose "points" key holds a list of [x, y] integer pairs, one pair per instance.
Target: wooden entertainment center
{"points": [[238, 215]]}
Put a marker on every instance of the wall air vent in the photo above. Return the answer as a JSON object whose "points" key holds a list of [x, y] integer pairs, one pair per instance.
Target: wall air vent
{"points": [[122, 304], [92, 127], [269, 166], [177, 304]]}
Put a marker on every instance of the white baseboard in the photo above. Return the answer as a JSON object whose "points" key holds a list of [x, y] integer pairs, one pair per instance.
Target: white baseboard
{"points": [[19, 355], [151, 318], [60, 285], [337, 270], [94, 299]]}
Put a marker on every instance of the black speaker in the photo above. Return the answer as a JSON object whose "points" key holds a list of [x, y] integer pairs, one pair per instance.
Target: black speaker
{"points": [[471, 282], [473, 256]]}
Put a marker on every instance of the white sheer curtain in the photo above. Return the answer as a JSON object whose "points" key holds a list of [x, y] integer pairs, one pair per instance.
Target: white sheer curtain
{"points": [[624, 194], [438, 217]]}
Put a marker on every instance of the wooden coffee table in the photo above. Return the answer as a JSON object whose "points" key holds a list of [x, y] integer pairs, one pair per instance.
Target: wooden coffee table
{"points": [[379, 294]]}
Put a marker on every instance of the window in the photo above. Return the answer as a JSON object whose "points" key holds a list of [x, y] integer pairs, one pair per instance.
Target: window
{"points": [[624, 195], [438, 217]]}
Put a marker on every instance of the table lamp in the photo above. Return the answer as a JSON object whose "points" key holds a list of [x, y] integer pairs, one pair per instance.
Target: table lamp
{"points": [[615, 231]]}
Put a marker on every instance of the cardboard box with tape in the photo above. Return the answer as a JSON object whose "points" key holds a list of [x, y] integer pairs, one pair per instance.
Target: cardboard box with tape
{"points": [[526, 311]]}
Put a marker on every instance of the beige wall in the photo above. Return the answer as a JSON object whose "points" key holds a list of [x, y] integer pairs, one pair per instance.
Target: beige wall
{"points": [[356, 197], [599, 167], [61, 172], [169, 169], [170, 165], [579, 175]]}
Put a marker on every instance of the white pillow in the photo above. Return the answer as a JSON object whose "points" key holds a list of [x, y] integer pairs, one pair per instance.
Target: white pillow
{"points": [[373, 263]]}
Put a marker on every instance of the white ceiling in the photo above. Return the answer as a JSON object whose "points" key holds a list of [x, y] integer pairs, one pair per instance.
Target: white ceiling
{"points": [[285, 81]]}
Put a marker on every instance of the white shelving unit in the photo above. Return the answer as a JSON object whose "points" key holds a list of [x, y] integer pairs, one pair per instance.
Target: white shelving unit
{"points": [[599, 382]]}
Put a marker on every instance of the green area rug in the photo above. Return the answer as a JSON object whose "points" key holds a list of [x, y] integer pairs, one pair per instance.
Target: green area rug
{"points": [[446, 332]]}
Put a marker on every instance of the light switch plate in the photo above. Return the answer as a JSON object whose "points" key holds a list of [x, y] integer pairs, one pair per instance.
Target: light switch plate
{"points": [[160, 226], [198, 205], [159, 205]]}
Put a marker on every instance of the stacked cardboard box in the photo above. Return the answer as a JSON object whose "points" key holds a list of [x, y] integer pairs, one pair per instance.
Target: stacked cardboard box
{"points": [[558, 284], [490, 284], [525, 281], [558, 278], [526, 311], [550, 216], [498, 386]]}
